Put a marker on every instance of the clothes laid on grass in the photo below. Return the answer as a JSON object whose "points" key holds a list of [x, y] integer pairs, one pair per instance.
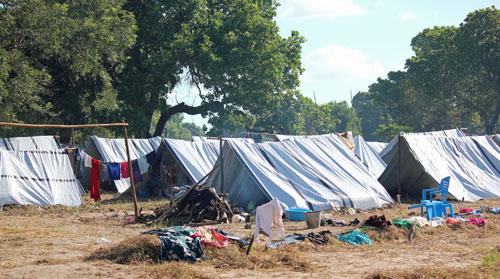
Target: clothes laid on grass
{"points": [[402, 223], [177, 244], [478, 221], [267, 215], [377, 221], [233, 237], [494, 210], [419, 221], [209, 236], [465, 210], [287, 240], [319, 238], [355, 238], [452, 220], [95, 193]]}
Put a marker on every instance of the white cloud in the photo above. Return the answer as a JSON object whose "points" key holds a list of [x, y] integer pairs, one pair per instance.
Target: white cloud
{"points": [[338, 62], [306, 9], [407, 15]]}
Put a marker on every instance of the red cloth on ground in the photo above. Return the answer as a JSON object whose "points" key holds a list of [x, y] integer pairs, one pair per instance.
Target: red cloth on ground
{"points": [[125, 170], [452, 221], [465, 210], [95, 192], [478, 221], [209, 236]]}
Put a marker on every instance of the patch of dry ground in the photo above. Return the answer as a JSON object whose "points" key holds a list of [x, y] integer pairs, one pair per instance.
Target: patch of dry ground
{"points": [[56, 242]]}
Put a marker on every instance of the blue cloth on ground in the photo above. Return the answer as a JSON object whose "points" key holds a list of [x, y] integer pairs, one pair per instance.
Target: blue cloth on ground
{"points": [[355, 238], [114, 171], [288, 240], [177, 244], [494, 210]]}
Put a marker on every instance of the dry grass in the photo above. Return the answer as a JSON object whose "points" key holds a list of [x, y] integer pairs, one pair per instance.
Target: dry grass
{"points": [[489, 268], [234, 257], [139, 249], [174, 270]]}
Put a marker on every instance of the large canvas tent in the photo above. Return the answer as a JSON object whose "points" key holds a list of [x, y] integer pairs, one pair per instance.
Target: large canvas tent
{"points": [[317, 172], [114, 150], [38, 177], [423, 160], [368, 156], [191, 160]]}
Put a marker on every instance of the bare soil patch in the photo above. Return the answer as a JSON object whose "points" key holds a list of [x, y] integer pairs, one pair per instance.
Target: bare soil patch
{"points": [[94, 241]]}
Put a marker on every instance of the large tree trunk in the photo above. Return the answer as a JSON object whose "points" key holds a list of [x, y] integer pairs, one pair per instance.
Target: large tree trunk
{"points": [[492, 121], [181, 108]]}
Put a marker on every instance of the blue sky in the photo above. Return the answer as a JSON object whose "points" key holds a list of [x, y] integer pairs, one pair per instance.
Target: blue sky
{"points": [[350, 43]]}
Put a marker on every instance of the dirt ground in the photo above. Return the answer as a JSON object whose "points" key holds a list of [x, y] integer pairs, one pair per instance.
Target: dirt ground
{"points": [[53, 242]]}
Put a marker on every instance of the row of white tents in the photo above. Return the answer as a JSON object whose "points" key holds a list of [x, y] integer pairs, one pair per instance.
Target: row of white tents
{"points": [[312, 172]]}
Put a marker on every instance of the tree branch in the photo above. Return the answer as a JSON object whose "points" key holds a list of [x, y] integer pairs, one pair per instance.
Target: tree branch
{"points": [[183, 108]]}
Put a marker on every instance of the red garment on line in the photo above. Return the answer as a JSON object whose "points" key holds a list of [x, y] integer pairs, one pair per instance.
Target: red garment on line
{"points": [[95, 192], [125, 170]]}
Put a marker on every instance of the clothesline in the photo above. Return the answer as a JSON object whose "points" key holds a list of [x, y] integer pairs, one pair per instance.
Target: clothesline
{"points": [[108, 171]]}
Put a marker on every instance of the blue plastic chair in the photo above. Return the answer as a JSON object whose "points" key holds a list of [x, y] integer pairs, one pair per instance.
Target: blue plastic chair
{"points": [[435, 208]]}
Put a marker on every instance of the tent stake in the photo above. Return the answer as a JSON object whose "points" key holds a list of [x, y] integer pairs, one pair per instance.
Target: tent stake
{"points": [[134, 195]]}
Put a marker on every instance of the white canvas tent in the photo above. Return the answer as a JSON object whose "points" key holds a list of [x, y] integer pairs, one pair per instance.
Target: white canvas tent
{"points": [[394, 141], [38, 178], [303, 172], [368, 156], [472, 162], [114, 150], [30, 143], [192, 160]]}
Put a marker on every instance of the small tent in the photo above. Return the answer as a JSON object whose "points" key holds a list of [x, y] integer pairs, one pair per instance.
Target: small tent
{"points": [[114, 150], [368, 156], [394, 141], [423, 160], [303, 172], [38, 177], [192, 160]]}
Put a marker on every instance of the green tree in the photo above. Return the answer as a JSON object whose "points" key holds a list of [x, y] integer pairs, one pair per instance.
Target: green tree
{"points": [[371, 115], [478, 45], [348, 120], [386, 132], [56, 51], [230, 50]]}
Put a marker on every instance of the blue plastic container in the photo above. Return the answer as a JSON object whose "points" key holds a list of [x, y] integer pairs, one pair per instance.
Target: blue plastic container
{"points": [[296, 214], [145, 193]]}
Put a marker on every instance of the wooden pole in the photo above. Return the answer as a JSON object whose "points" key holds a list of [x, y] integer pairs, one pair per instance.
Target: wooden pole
{"points": [[134, 195], [221, 167], [73, 142]]}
